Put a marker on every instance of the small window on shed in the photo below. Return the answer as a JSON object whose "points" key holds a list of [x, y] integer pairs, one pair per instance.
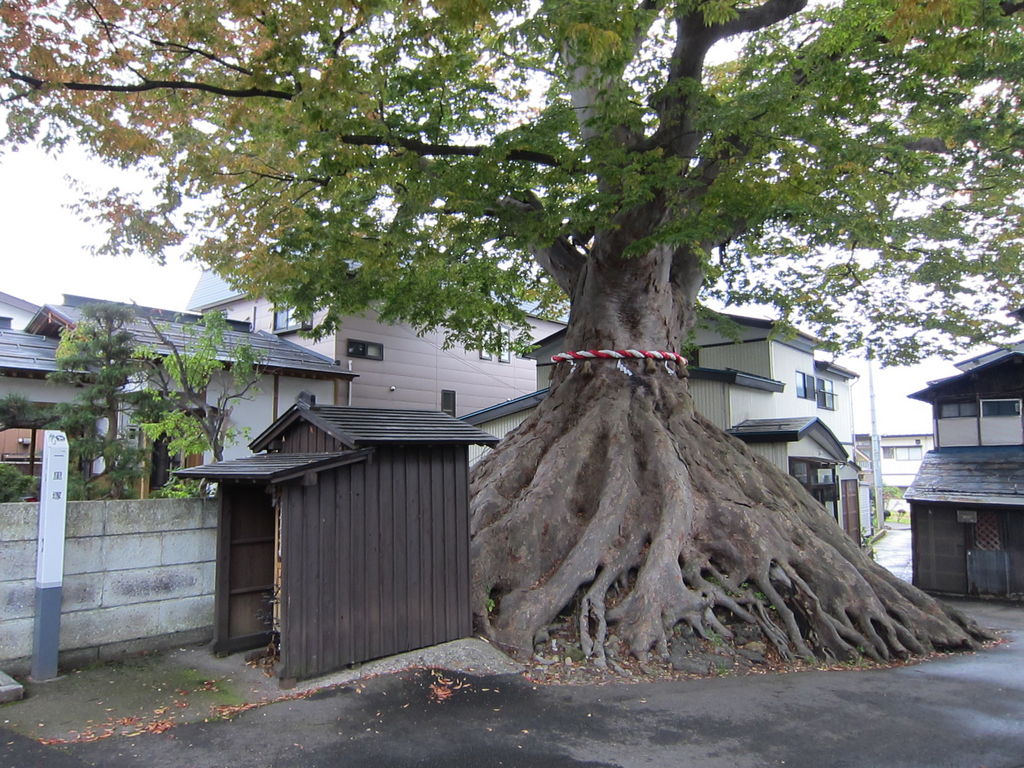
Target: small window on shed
{"points": [[448, 401], [1000, 408], [371, 350], [957, 410]]}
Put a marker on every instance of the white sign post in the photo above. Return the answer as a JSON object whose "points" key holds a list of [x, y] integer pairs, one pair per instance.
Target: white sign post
{"points": [[50, 555]]}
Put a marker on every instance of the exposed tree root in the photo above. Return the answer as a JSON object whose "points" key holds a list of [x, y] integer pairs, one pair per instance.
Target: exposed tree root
{"points": [[617, 499]]}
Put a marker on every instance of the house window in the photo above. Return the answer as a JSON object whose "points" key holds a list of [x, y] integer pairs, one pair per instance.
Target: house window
{"points": [[1000, 408], [485, 355], [956, 410], [505, 355], [285, 320], [448, 401], [826, 395], [903, 452], [371, 350], [805, 386]]}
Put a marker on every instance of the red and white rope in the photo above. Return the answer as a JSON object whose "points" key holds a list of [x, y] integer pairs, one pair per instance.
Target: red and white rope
{"points": [[617, 354]]}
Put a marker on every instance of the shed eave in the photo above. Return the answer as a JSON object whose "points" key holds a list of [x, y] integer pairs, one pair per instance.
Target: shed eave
{"points": [[277, 469], [952, 497]]}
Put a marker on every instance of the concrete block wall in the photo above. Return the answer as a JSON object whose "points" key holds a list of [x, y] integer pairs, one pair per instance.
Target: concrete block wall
{"points": [[138, 575]]}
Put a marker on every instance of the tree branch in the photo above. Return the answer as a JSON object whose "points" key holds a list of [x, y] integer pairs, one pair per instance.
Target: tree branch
{"points": [[199, 52], [151, 85], [561, 259], [427, 149]]}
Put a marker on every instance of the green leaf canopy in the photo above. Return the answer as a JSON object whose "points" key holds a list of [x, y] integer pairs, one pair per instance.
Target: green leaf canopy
{"points": [[854, 163]]}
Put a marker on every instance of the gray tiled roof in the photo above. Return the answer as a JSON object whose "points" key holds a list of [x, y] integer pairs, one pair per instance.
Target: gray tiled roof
{"points": [[274, 351], [27, 352], [766, 427], [789, 430], [984, 475], [272, 466], [363, 427]]}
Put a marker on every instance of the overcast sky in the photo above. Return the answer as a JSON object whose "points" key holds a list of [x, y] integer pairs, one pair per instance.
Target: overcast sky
{"points": [[46, 254]]}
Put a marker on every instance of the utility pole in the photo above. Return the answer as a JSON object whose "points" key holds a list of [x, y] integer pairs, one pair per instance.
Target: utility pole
{"points": [[876, 449]]}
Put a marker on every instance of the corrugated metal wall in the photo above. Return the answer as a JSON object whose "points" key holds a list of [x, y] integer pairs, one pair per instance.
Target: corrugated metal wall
{"points": [[498, 428], [711, 399], [375, 560]]}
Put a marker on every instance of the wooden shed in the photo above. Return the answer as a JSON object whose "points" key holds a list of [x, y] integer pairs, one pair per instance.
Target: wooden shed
{"points": [[967, 521], [346, 539]]}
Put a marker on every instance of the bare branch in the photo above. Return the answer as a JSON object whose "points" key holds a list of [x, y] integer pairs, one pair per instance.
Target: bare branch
{"points": [[199, 52], [152, 85]]}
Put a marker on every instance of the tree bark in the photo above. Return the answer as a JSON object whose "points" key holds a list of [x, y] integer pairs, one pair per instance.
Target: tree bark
{"points": [[618, 505]]}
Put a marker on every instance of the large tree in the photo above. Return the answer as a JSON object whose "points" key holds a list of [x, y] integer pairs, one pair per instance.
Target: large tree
{"points": [[854, 163]]}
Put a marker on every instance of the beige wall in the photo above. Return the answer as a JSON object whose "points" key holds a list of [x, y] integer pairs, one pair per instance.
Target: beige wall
{"points": [[415, 367], [960, 431]]}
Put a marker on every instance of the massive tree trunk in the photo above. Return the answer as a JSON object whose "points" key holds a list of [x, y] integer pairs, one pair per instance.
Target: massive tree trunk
{"points": [[618, 504]]}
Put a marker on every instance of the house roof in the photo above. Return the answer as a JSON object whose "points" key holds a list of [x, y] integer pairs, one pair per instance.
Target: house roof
{"points": [[992, 355], [14, 301], [835, 369], [364, 427], [507, 408], [273, 467], [276, 354], [992, 475], [211, 291], [939, 386], [788, 430], [27, 353], [739, 378]]}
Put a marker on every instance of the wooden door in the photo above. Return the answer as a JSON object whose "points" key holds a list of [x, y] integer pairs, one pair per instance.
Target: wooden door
{"points": [[851, 509], [245, 570]]}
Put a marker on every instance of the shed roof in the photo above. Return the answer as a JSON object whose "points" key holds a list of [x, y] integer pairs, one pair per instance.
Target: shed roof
{"points": [[363, 427], [273, 467], [991, 475]]}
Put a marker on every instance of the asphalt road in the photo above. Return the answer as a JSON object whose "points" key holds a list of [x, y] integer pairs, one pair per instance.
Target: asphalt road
{"points": [[963, 711]]}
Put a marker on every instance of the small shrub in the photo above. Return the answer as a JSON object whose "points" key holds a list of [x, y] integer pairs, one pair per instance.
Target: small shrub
{"points": [[15, 485]]}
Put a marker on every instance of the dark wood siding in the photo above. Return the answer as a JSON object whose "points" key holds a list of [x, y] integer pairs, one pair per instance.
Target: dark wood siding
{"points": [[939, 550], [943, 547], [303, 437], [1015, 548], [375, 559]]}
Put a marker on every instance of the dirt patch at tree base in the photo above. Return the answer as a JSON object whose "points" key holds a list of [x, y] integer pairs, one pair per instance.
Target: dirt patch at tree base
{"points": [[559, 661]]}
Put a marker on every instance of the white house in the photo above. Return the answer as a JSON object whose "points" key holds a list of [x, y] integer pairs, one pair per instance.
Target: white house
{"points": [[14, 312], [901, 456]]}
